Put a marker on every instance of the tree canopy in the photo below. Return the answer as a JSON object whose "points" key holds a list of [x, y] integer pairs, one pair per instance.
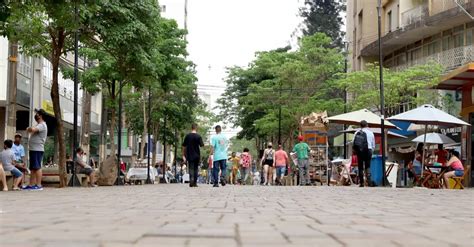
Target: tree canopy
{"points": [[324, 16]]}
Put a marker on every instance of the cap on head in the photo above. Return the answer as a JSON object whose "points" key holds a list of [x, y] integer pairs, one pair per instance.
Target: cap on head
{"points": [[270, 144], [300, 138], [18, 135], [40, 112], [363, 124]]}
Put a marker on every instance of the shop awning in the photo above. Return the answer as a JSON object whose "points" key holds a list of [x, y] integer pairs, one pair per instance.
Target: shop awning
{"points": [[458, 78]]}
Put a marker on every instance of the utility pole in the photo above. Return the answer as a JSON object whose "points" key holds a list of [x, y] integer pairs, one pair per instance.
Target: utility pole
{"points": [[382, 105]]}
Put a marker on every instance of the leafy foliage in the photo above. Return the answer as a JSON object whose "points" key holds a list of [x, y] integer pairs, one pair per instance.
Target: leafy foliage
{"points": [[324, 16], [300, 81], [400, 87]]}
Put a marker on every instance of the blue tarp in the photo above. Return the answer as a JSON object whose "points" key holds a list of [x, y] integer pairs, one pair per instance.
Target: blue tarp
{"points": [[403, 128]]}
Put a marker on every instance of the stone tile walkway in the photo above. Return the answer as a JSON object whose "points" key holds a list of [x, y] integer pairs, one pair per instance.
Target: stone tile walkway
{"points": [[176, 215]]}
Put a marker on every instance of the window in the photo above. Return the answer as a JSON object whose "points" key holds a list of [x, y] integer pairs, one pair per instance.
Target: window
{"points": [[163, 8], [389, 21], [469, 36]]}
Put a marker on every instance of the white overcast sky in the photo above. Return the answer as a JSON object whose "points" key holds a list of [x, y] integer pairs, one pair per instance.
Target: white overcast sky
{"points": [[223, 33]]}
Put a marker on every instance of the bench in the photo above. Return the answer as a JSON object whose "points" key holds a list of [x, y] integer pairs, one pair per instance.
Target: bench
{"points": [[51, 176], [9, 178]]}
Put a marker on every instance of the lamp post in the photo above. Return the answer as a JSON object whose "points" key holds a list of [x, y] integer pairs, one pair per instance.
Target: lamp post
{"points": [[382, 106], [74, 181], [279, 116], [345, 98], [148, 180], [119, 136]]}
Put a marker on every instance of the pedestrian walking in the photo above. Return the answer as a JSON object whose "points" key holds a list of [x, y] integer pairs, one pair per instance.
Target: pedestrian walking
{"points": [[302, 152], [235, 161], [246, 162], [364, 145], [267, 161], [281, 161], [38, 134], [219, 145], [192, 153]]}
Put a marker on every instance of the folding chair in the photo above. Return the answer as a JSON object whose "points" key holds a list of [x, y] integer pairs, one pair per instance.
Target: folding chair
{"points": [[459, 181]]}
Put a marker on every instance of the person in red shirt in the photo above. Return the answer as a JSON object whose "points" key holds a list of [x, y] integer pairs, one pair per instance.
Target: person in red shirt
{"points": [[280, 162], [442, 155]]}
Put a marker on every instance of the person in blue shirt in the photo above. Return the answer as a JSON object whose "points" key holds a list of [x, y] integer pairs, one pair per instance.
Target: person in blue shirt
{"points": [[219, 144], [18, 149]]}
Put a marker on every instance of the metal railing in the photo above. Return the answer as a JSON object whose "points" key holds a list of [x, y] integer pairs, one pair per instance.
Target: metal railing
{"points": [[439, 6], [449, 59], [413, 15]]}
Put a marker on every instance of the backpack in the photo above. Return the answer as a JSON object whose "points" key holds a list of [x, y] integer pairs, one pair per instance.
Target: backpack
{"points": [[269, 155], [360, 142]]}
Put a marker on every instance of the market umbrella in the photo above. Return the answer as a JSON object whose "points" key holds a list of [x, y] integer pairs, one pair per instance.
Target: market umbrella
{"points": [[354, 118], [376, 131], [428, 115], [434, 138]]}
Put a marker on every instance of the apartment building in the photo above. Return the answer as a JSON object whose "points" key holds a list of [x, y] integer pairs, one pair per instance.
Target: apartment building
{"points": [[34, 79], [416, 32]]}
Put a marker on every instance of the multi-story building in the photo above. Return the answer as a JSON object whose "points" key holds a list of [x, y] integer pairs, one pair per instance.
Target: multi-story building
{"points": [[34, 79], [416, 32]]}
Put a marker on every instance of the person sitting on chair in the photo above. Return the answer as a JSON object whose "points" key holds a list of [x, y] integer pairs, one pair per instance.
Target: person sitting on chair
{"points": [[83, 168], [456, 165]]}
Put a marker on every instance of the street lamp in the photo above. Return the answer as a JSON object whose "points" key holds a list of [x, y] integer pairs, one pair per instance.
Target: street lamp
{"points": [[382, 106], [148, 180], [74, 181]]}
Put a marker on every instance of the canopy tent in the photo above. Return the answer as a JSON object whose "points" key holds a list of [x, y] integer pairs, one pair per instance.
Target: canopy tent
{"points": [[355, 117], [434, 138], [376, 131], [428, 115]]}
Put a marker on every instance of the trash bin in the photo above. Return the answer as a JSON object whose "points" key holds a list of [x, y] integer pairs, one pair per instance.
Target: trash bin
{"points": [[376, 169]]}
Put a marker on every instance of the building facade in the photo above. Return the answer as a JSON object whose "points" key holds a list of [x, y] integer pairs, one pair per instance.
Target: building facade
{"points": [[417, 32], [34, 80]]}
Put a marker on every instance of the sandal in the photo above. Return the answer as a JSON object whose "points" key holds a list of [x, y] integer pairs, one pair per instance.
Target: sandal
{"points": [[16, 189]]}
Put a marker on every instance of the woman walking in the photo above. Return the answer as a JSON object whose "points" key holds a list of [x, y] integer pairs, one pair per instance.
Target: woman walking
{"points": [[267, 161]]}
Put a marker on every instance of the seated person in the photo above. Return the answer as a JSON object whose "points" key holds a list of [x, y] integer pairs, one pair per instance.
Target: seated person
{"points": [[456, 165], [83, 168], [415, 165], [9, 163], [441, 155], [3, 177]]}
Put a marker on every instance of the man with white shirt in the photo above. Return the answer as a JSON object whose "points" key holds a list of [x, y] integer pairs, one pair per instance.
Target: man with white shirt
{"points": [[364, 145]]}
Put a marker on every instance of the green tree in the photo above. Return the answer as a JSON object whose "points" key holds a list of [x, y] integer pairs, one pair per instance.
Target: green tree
{"points": [[299, 81], [410, 86], [47, 28], [124, 47], [324, 16]]}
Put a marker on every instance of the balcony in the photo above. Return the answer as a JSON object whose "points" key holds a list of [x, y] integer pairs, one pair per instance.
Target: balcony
{"points": [[449, 59], [414, 15], [419, 28]]}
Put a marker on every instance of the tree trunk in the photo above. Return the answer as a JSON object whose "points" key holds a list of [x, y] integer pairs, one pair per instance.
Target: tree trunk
{"points": [[143, 150], [56, 54], [153, 156], [86, 122], [13, 65], [113, 119], [103, 132]]}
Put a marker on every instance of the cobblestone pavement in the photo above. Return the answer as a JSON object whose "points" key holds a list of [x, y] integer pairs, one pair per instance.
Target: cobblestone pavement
{"points": [[176, 215]]}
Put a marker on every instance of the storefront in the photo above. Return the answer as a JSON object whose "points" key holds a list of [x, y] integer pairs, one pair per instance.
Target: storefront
{"points": [[462, 81]]}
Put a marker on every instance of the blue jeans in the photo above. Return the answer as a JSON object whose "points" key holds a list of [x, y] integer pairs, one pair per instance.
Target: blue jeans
{"points": [[280, 170], [219, 164]]}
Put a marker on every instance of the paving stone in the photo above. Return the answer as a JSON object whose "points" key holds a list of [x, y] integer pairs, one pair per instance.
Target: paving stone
{"points": [[175, 215]]}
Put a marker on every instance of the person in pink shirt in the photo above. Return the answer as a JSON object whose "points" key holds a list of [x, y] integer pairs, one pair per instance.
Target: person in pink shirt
{"points": [[456, 165], [280, 162], [245, 161]]}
